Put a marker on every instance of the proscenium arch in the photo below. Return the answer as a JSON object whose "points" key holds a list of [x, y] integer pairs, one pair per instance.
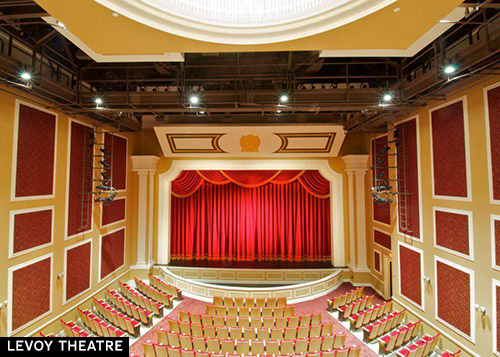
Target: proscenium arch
{"points": [[323, 166]]}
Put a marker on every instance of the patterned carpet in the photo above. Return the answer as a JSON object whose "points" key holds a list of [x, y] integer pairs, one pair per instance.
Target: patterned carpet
{"points": [[308, 307]]}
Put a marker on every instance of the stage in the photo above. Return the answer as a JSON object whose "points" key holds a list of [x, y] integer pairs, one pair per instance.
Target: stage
{"points": [[295, 284], [201, 263]]}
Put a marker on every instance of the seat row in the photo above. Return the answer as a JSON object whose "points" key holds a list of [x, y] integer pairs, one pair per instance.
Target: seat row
{"points": [[354, 307], [264, 333], [98, 326], [154, 294], [249, 302], [255, 322], [423, 347], [365, 317], [344, 299], [129, 308], [165, 287], [71, 329], [146, 303], [384, 325], [125, 323], [157, 350], [250, 311], [257, 347], [397, 338]]}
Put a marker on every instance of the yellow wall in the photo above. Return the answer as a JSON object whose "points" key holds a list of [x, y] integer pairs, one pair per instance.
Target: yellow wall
{"points": [[7, 107], [481, 209]]}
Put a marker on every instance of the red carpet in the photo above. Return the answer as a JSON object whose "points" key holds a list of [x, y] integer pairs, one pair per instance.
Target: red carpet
{"points": [[303, 308]]}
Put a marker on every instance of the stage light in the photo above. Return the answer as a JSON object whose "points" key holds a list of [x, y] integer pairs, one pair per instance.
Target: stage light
{"points": [[25, 76], [278, 112], [387, 97], [284, 98], [98, 101], [201, 112], [194, 99], [450, 69], [60, 24]]}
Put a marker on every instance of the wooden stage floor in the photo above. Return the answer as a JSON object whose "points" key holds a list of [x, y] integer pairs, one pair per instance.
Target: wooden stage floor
{"points": [[249, 265]]}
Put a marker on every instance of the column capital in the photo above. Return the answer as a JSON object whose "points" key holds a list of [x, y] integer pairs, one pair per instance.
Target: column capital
{"points": [[144, 163], [356, 162]]}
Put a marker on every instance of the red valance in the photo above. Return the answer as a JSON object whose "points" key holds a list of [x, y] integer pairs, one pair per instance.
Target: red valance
{"points": [[188, 182]]}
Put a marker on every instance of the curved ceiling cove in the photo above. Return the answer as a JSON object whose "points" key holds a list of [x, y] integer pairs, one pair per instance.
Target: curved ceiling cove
{"points": [[245, 22]]}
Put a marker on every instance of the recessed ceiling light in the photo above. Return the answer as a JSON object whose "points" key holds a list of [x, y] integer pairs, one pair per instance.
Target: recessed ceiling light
{"points": [[387, 97], [26, 76], [194, 99], [450, 69], [115, 14], [284, 98], [201, 112], [278, 112], [98, 101], [397, 9]]}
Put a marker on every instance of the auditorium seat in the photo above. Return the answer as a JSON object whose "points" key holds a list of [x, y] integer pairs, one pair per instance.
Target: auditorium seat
{"points": [[144, 302], [423, 347], [354, 307], [272, 302], [71, 329], [129, 308], [131, 326], [346, 298], [48, 336], [154, 294], [387, 324], [98, 326], [224, 311], [165, 287], [365, 317]]}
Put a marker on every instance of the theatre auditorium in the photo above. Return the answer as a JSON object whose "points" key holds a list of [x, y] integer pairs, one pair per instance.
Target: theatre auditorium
{"points": [[252, 178]]}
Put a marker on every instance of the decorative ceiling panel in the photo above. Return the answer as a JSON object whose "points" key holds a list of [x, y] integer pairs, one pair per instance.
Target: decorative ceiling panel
{"points": [[250, 141]]}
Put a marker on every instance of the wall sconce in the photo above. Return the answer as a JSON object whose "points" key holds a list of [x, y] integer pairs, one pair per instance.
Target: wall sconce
{"points": [[427, 279], [480, 309], [60, 276], [3, 305]]}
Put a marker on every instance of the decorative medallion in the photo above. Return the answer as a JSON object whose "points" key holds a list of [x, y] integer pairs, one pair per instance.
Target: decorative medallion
{"points": [[250, 143]]}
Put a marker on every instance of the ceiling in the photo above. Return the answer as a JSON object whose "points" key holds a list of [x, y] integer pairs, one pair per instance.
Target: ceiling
{"points": [[337, 77], [94, 25]]}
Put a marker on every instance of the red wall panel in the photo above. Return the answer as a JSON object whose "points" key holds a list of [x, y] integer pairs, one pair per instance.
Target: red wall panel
{"points": [[496, 232], [118, 147], [408, 151], [114, 212], [452, 231], [112, 252], [78, 266], [448, 151], [382, 239], [78, 172], [453, 297], [32, 229], [497, 307], [494, 128], [410, 274], [35, 152], [376, 261], [31, 291], [381, 212]]}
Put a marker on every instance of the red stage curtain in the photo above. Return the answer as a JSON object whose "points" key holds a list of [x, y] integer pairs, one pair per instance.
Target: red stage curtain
{"points": [[284, 219], [188, 182]]}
